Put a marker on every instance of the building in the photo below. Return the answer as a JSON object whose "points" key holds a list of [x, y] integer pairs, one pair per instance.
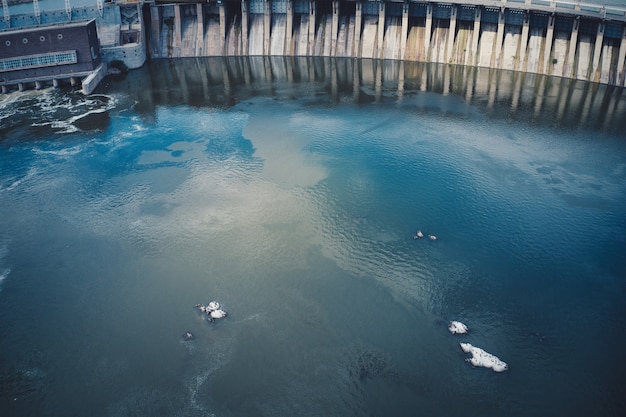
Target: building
{"points": [[49, 52], [81, 39]]}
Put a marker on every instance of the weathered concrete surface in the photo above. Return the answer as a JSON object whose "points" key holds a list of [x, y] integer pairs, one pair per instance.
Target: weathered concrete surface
{"points": [[381, 32]]}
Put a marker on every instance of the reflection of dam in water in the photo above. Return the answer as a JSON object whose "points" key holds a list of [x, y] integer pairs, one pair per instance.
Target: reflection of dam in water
{"points": [[545, 100], [560, 38]]}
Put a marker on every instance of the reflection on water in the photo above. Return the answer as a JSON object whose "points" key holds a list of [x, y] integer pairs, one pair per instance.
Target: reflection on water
{"points": [[290, 191], [223, 82]]}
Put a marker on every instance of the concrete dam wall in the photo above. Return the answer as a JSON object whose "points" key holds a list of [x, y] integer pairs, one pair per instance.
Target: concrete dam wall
{"points": [[572, 40]]}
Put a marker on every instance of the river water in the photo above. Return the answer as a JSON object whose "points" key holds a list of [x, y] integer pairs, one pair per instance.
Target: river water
{"points": [[290, 191]]}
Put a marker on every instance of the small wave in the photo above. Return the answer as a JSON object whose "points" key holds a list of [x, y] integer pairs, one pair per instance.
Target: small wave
{"points": [[254, 317], [14, 183], [3, 275]]}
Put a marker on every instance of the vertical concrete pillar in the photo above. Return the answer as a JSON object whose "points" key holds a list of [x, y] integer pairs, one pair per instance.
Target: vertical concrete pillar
{"points": [[334, 28], [38, 85], [475, 38], [289, 29], [22, 87], [311, 27], [427, 31], [177, 31], [496, 56], [55, 83], [523, 44], [619, 80], [267, 26], [571, 51], [381, 30], [244, 27], [449, 54], [547, 52], [155, 26], [222, 10], [200, 35], [595, 75], [405, 30], [356, 48], [5, 89]]}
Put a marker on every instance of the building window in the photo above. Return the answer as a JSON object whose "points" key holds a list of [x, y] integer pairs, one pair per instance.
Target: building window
{"points": [[40, 60]]}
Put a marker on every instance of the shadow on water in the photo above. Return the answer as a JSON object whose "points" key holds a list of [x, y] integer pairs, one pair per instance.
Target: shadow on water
{"points": [[223, 82]]}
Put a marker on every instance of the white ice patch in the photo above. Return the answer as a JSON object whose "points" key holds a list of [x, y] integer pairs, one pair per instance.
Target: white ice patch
{"points": [[456, 327], [484, 359]]}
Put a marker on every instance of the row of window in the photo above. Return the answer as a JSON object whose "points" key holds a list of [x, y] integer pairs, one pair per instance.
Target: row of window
{"points": [[41, 38], [41, 60]]}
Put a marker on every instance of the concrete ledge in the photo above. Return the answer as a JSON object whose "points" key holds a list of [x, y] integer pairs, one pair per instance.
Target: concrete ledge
{"points": [[90, 82]]}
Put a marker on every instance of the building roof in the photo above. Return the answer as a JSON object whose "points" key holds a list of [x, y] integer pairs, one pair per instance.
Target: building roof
{"points": [[74, 23]]}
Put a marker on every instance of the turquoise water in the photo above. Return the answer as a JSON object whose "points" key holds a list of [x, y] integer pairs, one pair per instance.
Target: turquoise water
{"points": [[290, 191]]}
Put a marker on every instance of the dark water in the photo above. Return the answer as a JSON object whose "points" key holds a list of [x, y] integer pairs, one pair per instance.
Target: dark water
{"points": [[290, 191]]}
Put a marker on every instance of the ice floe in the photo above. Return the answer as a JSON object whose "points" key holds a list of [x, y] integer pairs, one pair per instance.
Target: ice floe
{"points": [[484, 359], [212, 310], [456, 327]]}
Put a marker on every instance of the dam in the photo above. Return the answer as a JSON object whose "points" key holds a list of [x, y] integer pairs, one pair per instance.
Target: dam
{"points": [[565, 39], [571, 39]]}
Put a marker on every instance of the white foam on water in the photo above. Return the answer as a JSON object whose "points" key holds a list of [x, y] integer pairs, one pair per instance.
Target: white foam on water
{"points": [[480, 358], [55, 109], [63, 125], [71, 151]]}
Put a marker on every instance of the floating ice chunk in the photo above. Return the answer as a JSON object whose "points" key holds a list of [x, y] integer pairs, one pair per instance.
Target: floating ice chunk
{"points": [[456, 327], [484, 359], [212, 310], [217, 314]]}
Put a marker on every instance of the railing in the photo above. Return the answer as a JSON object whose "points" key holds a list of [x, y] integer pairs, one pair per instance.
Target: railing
{"points": [[594, 10]]}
